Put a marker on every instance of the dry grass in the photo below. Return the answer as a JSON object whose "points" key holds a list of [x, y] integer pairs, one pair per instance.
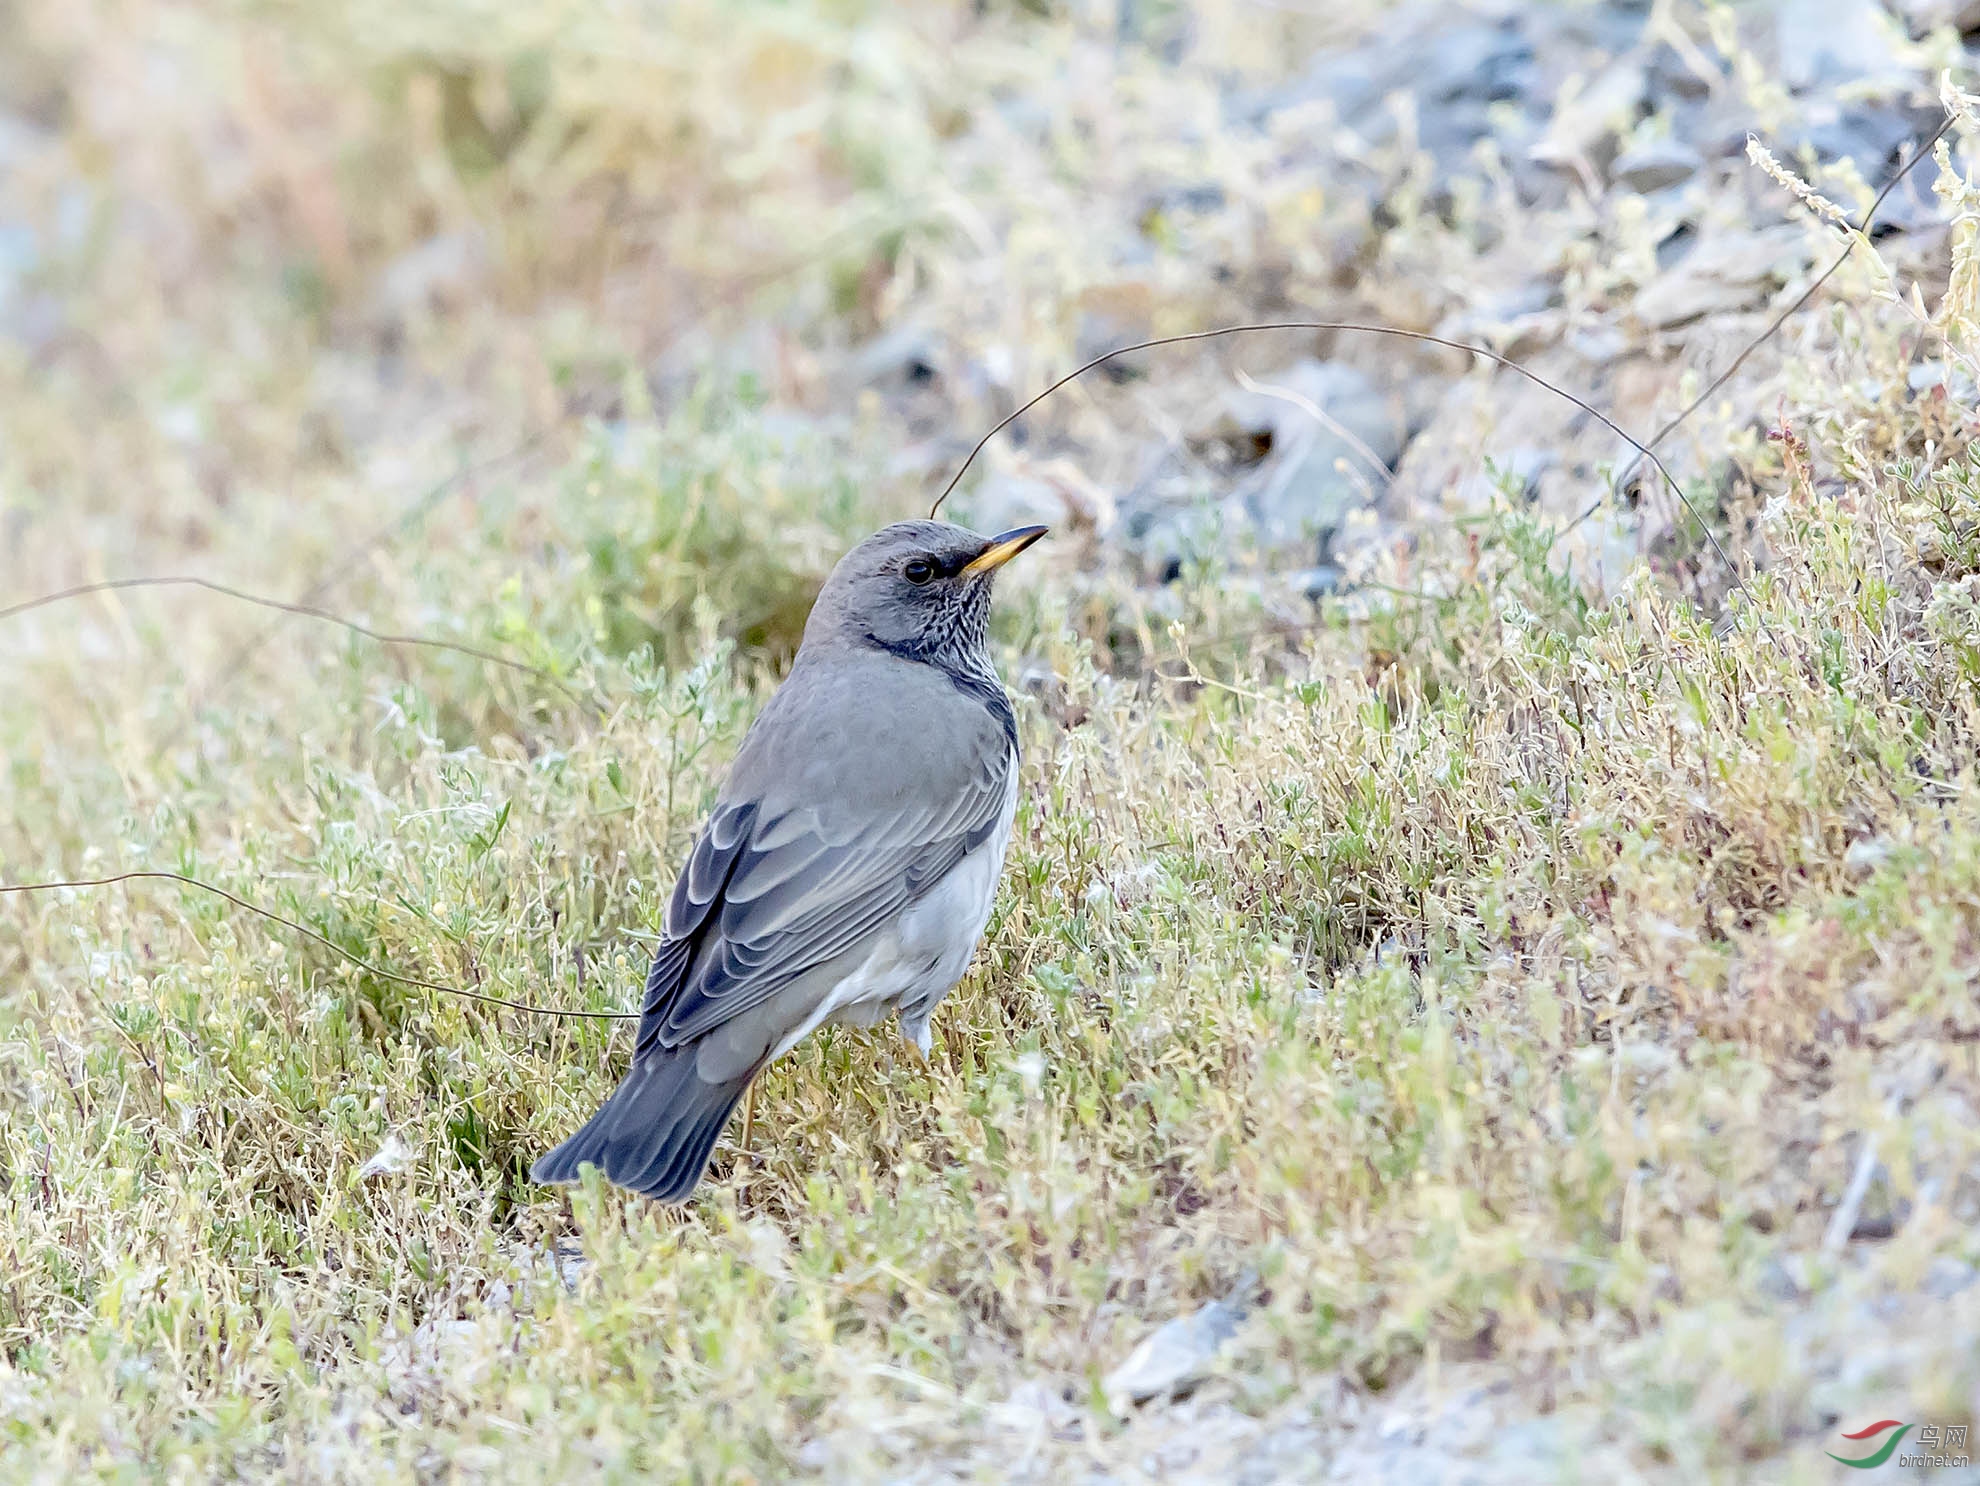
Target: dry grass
{"points": [[1508, 979]]}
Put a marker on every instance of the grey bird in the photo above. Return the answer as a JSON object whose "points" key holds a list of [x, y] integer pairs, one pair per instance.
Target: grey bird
{"points": [[848, 867]]}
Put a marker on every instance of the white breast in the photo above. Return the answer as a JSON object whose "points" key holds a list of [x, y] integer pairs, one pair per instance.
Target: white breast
{"points": [[916, 960]]}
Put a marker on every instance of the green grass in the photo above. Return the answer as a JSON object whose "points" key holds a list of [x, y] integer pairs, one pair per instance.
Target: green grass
{"points": [[1507, 978]]}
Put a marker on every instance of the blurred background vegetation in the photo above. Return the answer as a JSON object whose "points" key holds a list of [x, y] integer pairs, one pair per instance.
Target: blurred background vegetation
{"points": [[1519, 968]]}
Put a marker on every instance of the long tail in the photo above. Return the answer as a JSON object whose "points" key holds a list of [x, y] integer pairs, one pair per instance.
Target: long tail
{"points": [[655, 1132]]}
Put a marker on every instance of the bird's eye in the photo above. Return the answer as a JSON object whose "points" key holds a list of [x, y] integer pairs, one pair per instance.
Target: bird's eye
{"points": [[918, 571]]}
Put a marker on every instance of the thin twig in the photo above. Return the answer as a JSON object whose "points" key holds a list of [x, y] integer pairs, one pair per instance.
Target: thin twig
{"points": [[327, 943], [236, 663], [1643, 450], [307, 611], [1782, 318], [1358, 327], [1320, 416]]}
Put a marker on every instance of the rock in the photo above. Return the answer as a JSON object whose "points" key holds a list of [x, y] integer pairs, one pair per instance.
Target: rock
{"points": [[910, 356], [1528, 297], [1278, 468], [1172, 1358], [1171, 541], [1826, 42], [1948, 1276], [1922, 16], [1054, 492], [1007, 501], [1872, 137], [1868, 134], [1515, 473], [1583, 129], [1035, 1406], [1440, 80], [391, 1157], [1655, 165], [1782, 1280], [1672, 73], [1458, 70], [1320, 582], [1113, 315], [439, 274], [1930, 378], [1471, 1429], [1598, 344], [1729, 270], [1330, 444]]}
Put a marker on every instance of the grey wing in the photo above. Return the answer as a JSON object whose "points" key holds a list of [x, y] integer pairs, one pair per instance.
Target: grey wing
{"points": [[765, 898], [689, 912]]}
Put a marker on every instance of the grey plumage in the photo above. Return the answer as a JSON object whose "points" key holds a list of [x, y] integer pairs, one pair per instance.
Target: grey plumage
{"points": [[848, 867]]}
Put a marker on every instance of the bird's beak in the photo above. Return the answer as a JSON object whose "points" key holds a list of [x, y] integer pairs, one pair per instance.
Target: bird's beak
{"points": [[1003, 548]]}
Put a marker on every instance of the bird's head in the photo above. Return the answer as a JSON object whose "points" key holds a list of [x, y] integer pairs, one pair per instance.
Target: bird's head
{"points": [[920, 589]]}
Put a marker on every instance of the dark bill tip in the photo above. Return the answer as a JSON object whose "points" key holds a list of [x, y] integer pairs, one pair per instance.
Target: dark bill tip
{"points": [[1003, 547]]}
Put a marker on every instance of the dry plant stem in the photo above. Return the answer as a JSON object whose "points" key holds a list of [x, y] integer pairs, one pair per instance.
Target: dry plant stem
{"points": [[1360, 328], [307, 611], [329, 944], [1645, 450], [243, 653], [1319, 415], [1773, 328], [390, 531], [1493, 984]]}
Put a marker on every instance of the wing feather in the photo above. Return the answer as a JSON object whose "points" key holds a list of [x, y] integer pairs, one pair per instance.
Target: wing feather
{"points": [[765, 898], [709, 867]]}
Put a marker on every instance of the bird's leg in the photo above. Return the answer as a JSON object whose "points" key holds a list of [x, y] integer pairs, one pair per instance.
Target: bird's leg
{"points": [[917, 1036], [749, 1115]]}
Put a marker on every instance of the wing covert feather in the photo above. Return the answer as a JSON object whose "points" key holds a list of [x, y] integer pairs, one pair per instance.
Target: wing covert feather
{"points": [[766, 897]]}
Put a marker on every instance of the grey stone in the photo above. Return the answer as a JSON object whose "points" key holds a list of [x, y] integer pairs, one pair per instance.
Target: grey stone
{"points": [[1483, 62], [1826, 42], [1655, 165], [1947, 1277], [1332, 441], [1458, 68], [1726, 271], [1320, 582], [1672, 75], [439, 272], [909, 356], [1007, 501], [1277, 468], [1868, 134], [1474, 1436], [1780, 1280], [1173, 1357], [1583, 129], [1927, 378], [1526, 298], [1515, 473], [1928, 15], [1171, 541], [1109, 325]]}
